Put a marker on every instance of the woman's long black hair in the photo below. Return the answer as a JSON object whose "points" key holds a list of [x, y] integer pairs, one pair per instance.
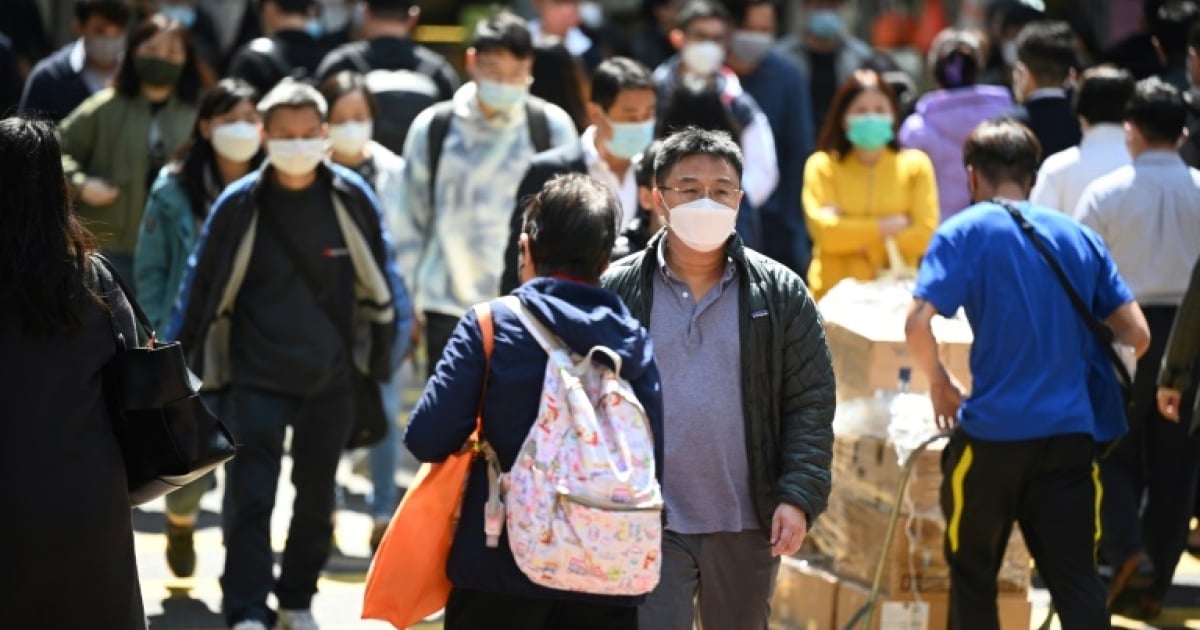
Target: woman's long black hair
{"points": [[44, 249], [196, 159], [127, 81]]}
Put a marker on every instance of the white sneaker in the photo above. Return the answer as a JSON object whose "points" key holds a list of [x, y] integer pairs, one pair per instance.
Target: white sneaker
{"points": [[249, 624], [296, 620]]}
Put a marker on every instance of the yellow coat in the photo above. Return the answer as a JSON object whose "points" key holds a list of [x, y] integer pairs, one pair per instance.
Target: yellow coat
{"points": [[847, 243]]}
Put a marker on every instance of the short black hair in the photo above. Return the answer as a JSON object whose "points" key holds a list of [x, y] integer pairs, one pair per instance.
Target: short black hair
{"points": [[294, 7], [699, 107], [572, 227], [1171, 24], [617, 74], [390, 9], [644, 175], [1194, 36], [115, 11], [1047, 49], [503, 31], [1158, 110], [694, 10], [1003, 151], [739, 9], [695, 141], [345, 83], [1102, 94]]}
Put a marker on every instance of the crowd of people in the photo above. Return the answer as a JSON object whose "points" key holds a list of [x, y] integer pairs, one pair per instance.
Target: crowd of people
{"points": [[305, 208]]}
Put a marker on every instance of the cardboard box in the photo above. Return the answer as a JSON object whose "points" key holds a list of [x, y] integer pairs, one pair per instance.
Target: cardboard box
{"points": [[867, 469], [930, 612], [805, 597]]}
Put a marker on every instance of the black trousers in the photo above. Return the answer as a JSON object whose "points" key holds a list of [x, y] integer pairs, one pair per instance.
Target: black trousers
{"points": [[320, 426], [476, 610], [1049, 487], [438, 330], [1150, 479]]}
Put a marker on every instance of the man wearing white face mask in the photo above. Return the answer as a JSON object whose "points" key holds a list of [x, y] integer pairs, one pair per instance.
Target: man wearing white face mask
{"points": [[702, 38], [747, 387], [293, 264], [464, 159], [622, 114]]}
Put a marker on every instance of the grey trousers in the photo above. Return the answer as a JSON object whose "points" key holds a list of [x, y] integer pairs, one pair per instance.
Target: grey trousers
{"points": [[727, 578]]}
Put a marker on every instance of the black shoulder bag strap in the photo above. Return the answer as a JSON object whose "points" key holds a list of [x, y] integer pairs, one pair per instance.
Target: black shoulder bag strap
{"points": [[539, 125], [1102, 332], [439, 128], [140, 318]]}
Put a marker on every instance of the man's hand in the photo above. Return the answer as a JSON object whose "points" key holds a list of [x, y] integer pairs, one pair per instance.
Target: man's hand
{"points": [[97, 192], [892, 225], [947, 397], [789, 528], [1168, 403]]}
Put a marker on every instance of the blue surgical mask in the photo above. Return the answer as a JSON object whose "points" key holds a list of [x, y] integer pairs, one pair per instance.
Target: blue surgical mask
{"points": [[502, 97], [314, 28], [183, 14], [870, 131], [825, 24], [630, 139]]}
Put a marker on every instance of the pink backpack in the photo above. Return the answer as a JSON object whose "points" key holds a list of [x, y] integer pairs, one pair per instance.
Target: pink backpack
{"points": [[582, 504]]}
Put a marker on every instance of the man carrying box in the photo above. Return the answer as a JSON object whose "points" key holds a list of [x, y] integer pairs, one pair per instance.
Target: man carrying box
{"points": [[1024, 444]]}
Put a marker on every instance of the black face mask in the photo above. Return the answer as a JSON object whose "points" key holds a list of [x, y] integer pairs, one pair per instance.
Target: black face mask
{"points": [[157, 72]]}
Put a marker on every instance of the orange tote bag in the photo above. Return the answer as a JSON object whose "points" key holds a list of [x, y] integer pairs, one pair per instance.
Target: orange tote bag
{"points": [[407, 580]]}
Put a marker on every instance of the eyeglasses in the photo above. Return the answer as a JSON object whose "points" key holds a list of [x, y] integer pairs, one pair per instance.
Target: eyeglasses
{"points": [[724, 195]]}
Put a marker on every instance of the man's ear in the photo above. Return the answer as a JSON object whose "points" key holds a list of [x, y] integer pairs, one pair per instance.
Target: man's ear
{"points": [[676, 37], [470, 60], [595, 114]]}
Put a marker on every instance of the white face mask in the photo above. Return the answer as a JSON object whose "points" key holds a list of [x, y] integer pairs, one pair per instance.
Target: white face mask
{"points": [[296, 157], [703, 225], [236, 141], [703, 58], [349, 138]]}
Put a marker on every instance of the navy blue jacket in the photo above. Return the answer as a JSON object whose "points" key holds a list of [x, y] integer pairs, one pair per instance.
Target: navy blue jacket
{"points": [[582, 316], [1053, 121], [54, 88]]}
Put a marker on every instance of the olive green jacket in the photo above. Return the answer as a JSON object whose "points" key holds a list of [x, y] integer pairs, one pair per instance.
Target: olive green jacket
{"points": [[107, 137]]}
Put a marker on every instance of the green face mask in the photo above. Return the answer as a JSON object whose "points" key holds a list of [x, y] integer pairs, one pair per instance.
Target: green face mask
{"points": [[870, 131], [157, 72]]}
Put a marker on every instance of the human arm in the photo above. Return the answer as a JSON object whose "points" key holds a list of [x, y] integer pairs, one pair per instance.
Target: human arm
{"points": [[1089, 212], [78, 136], [924, 213], [945, 390], [1183, 348], [942, 287], [761, 172], [444, 417], [829, 229], [151, 262], [413, 219]]}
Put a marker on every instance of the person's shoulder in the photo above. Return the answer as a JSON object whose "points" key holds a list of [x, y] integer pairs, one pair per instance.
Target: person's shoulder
{"points": [[558, 118], [99, 101], [1060, 162], [1116, 182], [820, 163], [168, 184], [559, 158], [914, 160], [385, 158], [57, 66]]}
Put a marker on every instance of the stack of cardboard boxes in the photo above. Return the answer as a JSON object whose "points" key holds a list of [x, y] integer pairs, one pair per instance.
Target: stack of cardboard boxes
{"points": [[865, 331]]}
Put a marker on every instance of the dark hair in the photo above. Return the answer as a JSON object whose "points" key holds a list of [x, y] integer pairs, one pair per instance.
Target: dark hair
{"points": [[390, 9], [693, 10], [616, 75], [739, 9], [832, 139], [1102, 94], [1194, 36], [43, 247], [196, 160], [1003, 151], [115, 11], [1170, 27], [503, 31], [1047, 49], [572, 227], [693, 141], [558, 78], [644, 175], [696, 106], [293, 7], [1158, 110], [127, 81], [954, 59], [343, 84], [1019, 15]]}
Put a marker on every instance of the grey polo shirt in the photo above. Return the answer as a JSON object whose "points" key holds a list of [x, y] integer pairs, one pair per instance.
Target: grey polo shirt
{"points": [[706, 475]]}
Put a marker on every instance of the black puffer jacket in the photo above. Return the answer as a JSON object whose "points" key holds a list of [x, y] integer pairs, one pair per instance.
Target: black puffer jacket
{"points": [[787, 376]]}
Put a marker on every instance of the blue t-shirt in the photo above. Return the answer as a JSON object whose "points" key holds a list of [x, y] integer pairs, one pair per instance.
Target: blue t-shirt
{"points": [[1032, 352]]}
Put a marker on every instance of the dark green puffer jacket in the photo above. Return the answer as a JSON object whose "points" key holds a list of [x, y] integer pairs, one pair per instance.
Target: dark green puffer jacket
{"points": [[787, 376]]}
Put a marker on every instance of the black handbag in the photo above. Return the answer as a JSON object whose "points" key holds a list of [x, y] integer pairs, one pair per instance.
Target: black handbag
{"points": [[168, 436], [1110, 389]]}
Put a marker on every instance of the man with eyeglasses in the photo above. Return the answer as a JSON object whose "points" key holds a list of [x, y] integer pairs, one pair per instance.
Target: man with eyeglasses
{"points": [[465, 159], [748, 392]]}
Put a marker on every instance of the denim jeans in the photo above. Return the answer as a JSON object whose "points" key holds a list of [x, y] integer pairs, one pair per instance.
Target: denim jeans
{"points": [[384, 456]]}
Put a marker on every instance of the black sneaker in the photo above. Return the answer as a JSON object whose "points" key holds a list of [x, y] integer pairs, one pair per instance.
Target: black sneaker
{"points": [[181, 550]]}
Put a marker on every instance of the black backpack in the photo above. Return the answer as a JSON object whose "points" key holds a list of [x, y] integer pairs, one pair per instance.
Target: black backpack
{"points": [[400, 96]]}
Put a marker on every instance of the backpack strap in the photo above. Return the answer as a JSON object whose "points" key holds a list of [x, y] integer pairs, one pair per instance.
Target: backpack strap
{"points": [[358, 59], [487, 330], [539, 125], [439, 128], [550, 342]]}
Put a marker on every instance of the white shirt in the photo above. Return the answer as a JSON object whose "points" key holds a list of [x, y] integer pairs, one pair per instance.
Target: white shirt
{"points": [[1064, 175], [1149, 215], [624, 187], [576, 42]]}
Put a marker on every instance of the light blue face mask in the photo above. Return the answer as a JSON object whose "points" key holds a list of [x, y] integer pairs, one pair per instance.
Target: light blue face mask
{"points": [[824, 24], [185, 15], [870, 131], [502, 97], [630, 139], [314, 28]]}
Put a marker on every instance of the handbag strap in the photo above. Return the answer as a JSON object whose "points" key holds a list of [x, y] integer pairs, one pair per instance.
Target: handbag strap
{"points": [[1099, 330], [487, 330], [139, 314]]}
